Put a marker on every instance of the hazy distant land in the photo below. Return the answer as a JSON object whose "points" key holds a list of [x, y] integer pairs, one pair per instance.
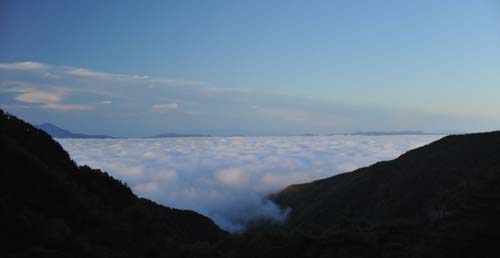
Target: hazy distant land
{"points": [[58, 132]]}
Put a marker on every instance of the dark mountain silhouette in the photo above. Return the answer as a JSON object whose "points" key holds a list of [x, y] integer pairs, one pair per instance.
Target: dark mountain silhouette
{"points": [[440, 200], [49, 207], [177, 135], [58, 132]]}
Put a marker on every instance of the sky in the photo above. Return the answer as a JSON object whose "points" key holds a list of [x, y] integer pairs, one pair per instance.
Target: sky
{"points": [[134, 68]]}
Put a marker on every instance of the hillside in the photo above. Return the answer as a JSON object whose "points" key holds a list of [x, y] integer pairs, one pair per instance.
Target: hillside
{"points": [[443, 198], [49, 207]]}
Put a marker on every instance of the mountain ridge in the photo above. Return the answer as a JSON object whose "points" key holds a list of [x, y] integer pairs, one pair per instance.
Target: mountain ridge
{"points": [[426, 165], [50, 207], [439, 200]]}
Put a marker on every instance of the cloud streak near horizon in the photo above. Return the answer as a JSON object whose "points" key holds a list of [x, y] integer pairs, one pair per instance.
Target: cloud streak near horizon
{"points": [[60, 94], [228, 178]]}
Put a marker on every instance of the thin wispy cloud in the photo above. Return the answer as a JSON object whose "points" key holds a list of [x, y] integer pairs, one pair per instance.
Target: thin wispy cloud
{"points": [[30, 95], [103, 76], [23, 66], [165, 107], [67, 107], [200, 107], [47, 99]]}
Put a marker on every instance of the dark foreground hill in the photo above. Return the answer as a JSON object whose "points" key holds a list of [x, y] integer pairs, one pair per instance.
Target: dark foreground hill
{"points": [[49, 207], [439, 200]]}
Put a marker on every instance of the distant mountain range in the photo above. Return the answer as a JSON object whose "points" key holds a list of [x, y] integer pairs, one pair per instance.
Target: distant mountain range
{"points": [[380, 133], [58, 132], [178, 135]]}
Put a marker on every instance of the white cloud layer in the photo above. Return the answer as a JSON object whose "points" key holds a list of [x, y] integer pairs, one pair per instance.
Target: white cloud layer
{"points": [[227, 178]]}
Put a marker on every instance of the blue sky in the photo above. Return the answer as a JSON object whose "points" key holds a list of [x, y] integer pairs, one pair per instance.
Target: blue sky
{"points": [[135, 68]]}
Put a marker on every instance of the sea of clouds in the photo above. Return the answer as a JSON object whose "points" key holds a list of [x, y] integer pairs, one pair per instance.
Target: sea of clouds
{"points": [[228, 178]]}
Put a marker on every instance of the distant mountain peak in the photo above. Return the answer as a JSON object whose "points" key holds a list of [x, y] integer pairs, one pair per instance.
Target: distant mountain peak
{"points": [[58, 132]]}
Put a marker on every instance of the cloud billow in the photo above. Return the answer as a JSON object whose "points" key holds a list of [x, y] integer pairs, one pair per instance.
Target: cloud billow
{"points": [[228, 178]]}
